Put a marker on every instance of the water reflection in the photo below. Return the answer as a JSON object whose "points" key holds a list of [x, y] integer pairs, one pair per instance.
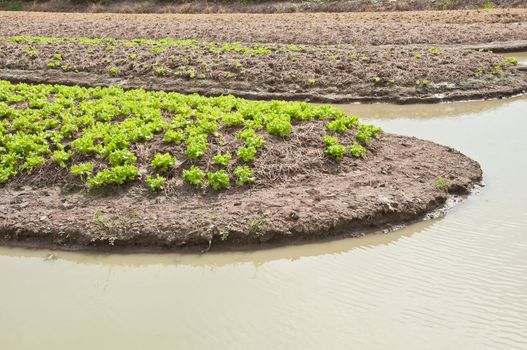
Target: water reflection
{"points": [[214, 259]]}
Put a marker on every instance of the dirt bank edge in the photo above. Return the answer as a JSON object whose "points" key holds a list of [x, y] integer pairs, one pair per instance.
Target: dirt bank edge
{"points": [[209, 89], [399, 187]]}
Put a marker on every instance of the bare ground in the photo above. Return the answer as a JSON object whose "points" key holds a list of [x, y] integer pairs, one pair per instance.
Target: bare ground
{"points": [[396, 183], [471, 27]]}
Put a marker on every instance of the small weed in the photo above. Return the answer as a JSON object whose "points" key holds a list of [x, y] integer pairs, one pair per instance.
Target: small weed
{"points": [[191, 74], [376, 80], [434, 51], [114, 71], [30, 52], [257, 226], [156, 50], [224, 235], [442, 183], [488, 5], [293, 47], [498, 70], [510, 61], [160, 71], [422, 83], [479, 73]]}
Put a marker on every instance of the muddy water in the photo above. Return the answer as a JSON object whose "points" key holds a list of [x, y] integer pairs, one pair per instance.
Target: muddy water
{"points": [[454, 283]]}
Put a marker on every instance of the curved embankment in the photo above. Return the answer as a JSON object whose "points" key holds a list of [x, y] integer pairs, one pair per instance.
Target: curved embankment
{"points": [[103, 168], [338, 73], [396, 184]]}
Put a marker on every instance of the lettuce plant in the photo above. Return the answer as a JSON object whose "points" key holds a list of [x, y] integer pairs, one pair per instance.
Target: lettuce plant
{"points": [[194, 176], [218, 180], [163, 162]]}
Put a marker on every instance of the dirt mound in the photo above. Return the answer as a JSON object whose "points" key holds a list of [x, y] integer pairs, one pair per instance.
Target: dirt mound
{"points": [[401, 180]]}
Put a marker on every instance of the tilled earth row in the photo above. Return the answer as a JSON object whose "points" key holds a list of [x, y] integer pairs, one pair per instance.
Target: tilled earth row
{"points": [[419, 27], [334, 73]]}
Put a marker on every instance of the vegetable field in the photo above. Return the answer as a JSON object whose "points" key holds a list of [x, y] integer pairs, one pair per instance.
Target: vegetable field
{"points": [[108, 136]]}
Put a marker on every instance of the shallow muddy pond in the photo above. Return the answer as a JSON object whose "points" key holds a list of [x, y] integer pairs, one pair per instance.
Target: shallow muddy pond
{"points": [[459, 282]]}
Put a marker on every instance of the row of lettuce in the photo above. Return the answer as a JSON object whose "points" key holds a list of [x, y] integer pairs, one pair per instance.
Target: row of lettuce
{"points": [[92, 133]]}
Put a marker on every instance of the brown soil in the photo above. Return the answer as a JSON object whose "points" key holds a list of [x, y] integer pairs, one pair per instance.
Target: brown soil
{"points": [[303, 196], [265, 6], [341, 73], [421, 27]]}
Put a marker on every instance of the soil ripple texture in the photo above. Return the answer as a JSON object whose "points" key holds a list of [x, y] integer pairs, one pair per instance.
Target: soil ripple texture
{"points": [[104, 168], [331, 73], [407, 27]]}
